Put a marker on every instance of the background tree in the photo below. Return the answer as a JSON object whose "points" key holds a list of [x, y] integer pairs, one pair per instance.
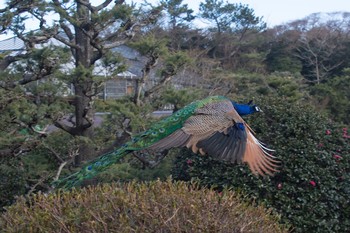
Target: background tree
{"points": [[232, 25], [317, 50], [176, 23], [281, 42], [84, 30], [178, 13]]}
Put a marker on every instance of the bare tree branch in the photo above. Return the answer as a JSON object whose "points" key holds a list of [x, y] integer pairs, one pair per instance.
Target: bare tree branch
{"points": [[8, 60], [63, 13], [40, 181], [60, 170], [144, 158], [95, 9], [68, 129], [55, 153], [106, 3]]}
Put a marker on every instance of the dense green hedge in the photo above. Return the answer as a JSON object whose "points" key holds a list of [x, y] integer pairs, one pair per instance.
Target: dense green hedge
{"points": [[312, 189], [138, 207], [12, 180]]}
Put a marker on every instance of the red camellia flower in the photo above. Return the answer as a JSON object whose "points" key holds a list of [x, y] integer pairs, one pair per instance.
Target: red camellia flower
{"points": [[345, 133], [313, 183], [280, 186], [189, 161], [337, 157], [328, 132]]}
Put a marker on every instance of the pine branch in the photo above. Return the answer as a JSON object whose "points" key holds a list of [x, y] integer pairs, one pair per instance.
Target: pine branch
{"points": [[66, 128]]}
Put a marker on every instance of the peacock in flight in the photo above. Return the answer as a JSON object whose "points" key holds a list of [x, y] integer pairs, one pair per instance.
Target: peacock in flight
{"points": [[212, 126]]}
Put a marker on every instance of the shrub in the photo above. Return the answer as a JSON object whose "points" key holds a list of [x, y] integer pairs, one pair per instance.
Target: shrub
{"points": [[312, 189], [334, 97], [12, 181], [138, 207]]}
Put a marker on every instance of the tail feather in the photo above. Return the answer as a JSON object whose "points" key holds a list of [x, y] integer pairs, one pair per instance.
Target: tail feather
{"points": [[91, 169]]}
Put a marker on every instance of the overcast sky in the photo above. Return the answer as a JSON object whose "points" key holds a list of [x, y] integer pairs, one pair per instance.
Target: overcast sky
{"points": [[281, 11], [274, 12]]}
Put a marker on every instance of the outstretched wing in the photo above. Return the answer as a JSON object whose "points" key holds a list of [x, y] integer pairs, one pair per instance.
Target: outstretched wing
{"points": [[203, 122], [218, 130]]}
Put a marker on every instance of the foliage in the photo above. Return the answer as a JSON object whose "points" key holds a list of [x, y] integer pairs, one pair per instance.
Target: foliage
{"points": [[333, 96], [140, 207], [150, 45], [179, 14], [230, 17], [173, 62], [312, 188], [241, 86], [117, 113], [179, 98], [286, 85], [133, 169], [35, 170], [12, 182], [279, 57]]}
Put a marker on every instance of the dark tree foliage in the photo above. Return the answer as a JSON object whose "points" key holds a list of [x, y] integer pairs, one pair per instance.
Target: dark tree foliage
{"points": [[230, 17], [178, 13], [333, 97], [82, 34], [279, 57], [233, 27]]}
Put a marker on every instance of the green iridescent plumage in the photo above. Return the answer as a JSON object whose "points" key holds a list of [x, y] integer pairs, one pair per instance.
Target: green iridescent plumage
{"points": [[141, 141]]}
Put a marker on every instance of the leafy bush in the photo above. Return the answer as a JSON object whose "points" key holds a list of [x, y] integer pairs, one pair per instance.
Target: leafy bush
{"points": [[138, 207], [334, 97], [33, 170], [12, 180], [133, 169], [312, 189]]}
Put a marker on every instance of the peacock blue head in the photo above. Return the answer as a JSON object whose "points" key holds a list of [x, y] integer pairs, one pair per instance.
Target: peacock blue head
{"points": [[246, 109]]}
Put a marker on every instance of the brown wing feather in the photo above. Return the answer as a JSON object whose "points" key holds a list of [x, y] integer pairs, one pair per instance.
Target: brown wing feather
{"points": [[257, 157], [226, 146], [177, 139], [207, 121]]}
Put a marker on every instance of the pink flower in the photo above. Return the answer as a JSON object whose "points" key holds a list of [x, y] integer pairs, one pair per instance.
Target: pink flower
{"points": [[320, 144], [337, 157], [280, 186], [345, 129], [313, 183], [328, 132], [189, 161]]}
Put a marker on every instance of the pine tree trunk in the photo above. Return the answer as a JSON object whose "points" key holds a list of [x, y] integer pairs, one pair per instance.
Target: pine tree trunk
{"points": [[83, 83]]}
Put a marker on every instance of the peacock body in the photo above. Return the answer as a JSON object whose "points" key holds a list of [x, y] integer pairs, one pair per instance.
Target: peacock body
{"points": [[210, 126]]}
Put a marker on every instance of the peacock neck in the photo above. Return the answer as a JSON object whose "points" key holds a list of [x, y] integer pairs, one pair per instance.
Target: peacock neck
{"points": [[243, 109]]}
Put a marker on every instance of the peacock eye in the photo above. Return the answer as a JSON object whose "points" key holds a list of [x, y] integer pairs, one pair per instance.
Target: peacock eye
{"points": [[257, 109]]}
